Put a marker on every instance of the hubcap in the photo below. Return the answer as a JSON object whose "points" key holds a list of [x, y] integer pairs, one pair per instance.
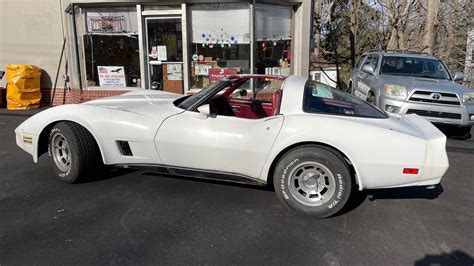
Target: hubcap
{"points": [[61, 153], [311, 183]]}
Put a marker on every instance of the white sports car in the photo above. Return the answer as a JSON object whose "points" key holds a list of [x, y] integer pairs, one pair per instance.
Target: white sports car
{"points": [[312, 142]]}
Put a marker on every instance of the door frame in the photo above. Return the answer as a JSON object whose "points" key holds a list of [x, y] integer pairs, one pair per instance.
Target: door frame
{"points": [[179, 13], [148, 62]]}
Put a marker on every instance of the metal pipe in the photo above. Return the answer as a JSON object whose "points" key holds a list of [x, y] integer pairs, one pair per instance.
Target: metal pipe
{"points": [[76, 47]]}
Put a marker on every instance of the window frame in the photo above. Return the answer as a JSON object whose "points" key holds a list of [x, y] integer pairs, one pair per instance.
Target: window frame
{"points": [[371, 56], [306, 111], [83, 10]]}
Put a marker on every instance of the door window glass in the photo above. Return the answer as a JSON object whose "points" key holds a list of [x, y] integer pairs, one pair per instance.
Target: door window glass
{"points": [[372, 61], [165, 54]]}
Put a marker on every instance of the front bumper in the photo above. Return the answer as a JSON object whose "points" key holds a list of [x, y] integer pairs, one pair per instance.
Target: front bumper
{"points": [[434, 113], [27, 142]]}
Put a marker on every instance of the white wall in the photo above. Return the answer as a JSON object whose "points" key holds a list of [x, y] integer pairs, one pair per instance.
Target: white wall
{"points": [[327, 77], [30, 33]]}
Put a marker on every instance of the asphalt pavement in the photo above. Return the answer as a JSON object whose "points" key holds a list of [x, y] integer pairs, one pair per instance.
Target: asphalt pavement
{"points": [[133, 217]]}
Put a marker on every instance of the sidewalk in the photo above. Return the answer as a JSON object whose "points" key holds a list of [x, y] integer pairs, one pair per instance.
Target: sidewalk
{"points": [[30, 112]]}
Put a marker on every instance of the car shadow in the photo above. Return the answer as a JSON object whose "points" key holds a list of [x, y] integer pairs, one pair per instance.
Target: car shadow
{"points": [[406, 193], [457, 257], [211, 181], [107, 173], [452, 132]]}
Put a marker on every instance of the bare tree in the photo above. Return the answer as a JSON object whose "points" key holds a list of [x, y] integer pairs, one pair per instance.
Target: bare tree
{"points": [[321, 13], [431, 23], [398, 12], [353, 14]]}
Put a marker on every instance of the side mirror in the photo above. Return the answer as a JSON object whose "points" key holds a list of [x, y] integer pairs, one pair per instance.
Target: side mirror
{"points": [[458, 76], [243, 93], [368, 68], [204, 110]]}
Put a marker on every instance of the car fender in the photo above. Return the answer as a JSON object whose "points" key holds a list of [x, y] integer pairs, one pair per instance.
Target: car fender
{"points": [[371, 145], [105, 124]]}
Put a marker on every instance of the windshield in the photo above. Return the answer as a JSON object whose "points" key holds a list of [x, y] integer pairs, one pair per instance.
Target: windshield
{"points": [[414, 66], [320, 98], [202, 94]]}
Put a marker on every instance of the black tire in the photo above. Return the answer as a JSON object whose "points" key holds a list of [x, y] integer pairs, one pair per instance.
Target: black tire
{"points": [[291, 191], [78, 157], [461, 133]]}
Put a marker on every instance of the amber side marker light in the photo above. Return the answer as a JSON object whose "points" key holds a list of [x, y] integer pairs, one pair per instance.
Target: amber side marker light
{"points": [[410, 171]]}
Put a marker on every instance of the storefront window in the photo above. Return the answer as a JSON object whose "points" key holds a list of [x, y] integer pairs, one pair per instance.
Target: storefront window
{"points": [[220, 42], [111, 48], [273, 39]]}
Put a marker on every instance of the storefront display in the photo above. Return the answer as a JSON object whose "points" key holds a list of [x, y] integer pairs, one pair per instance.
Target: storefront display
{"points": [[273, 38], [221, 41], [110, 43], [153, 49]]}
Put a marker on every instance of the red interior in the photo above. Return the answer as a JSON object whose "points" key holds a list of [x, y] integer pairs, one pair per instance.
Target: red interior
{"points": [[254, 109], [267, 103]]}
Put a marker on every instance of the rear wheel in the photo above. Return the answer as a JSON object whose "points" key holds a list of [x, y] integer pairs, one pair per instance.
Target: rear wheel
{"points": [[73, 152], [314, 180]]}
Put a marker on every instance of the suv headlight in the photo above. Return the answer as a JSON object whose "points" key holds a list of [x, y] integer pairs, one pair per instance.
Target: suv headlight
{"points": [[468, 97], [395, 90]]}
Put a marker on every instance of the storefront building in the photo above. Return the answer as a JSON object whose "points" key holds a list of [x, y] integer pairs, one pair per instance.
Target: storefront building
{"points": [[113, 47]]}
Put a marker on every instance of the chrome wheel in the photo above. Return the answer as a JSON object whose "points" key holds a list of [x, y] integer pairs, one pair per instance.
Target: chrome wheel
{"points": [[312, 183], [60, 152]]}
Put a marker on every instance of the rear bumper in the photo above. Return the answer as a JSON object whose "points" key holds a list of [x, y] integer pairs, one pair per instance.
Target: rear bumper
{"points": [[436, 161], [434, 113], [431, 160]]}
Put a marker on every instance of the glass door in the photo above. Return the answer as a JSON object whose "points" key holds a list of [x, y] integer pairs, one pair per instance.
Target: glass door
{"points": [[165, 53]]}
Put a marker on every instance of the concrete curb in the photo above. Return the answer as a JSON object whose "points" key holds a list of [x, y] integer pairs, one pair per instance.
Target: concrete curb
{"points": [[26, 113]]}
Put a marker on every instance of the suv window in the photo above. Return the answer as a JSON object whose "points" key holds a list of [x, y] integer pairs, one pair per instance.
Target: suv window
{"points": [[414, 66], [359, 63], [372, 60], [320, 98]]}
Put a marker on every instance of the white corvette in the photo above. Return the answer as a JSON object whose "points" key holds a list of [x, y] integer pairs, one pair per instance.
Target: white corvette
{"points": [[314, 143]]}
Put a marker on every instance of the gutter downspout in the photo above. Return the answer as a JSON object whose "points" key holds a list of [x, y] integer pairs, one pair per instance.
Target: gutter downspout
{"points": [[76, 47]]}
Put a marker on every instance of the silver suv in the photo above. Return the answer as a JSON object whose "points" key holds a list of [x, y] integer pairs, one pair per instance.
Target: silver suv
{"points": [[407, 82]]}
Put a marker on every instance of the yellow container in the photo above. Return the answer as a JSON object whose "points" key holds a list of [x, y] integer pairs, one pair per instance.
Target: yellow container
{"points": [[23, 87]]}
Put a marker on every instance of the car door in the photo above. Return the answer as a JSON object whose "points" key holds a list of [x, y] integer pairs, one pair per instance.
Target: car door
{"points": [[355, 74], [220, 143], [366, 80]]}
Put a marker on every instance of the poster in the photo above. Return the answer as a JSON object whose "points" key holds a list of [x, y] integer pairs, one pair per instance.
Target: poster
{"points": [[111, 76], [217, 74], [162, 53], [154, 52], [201, 70], [174, 72]]}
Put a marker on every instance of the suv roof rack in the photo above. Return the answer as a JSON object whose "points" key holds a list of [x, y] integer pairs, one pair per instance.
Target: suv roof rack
{"points": [[399, 51]]}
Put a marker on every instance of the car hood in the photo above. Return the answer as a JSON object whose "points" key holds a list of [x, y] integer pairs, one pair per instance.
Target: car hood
{"points": [[438, 85], [140, 102]]}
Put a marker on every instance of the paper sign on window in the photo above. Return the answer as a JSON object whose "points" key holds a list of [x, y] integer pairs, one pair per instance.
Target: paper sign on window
{"points": [[111, 76]]}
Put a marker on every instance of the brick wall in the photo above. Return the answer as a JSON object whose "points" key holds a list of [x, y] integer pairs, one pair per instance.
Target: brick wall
{"points": [[62, 96]]}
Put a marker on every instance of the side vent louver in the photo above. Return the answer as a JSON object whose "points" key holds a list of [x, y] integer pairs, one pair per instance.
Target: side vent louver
{"points": [[124, 148]]}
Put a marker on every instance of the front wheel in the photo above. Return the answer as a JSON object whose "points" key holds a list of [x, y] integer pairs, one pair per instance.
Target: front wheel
{"points": [[313, 180], [73, 152]]}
